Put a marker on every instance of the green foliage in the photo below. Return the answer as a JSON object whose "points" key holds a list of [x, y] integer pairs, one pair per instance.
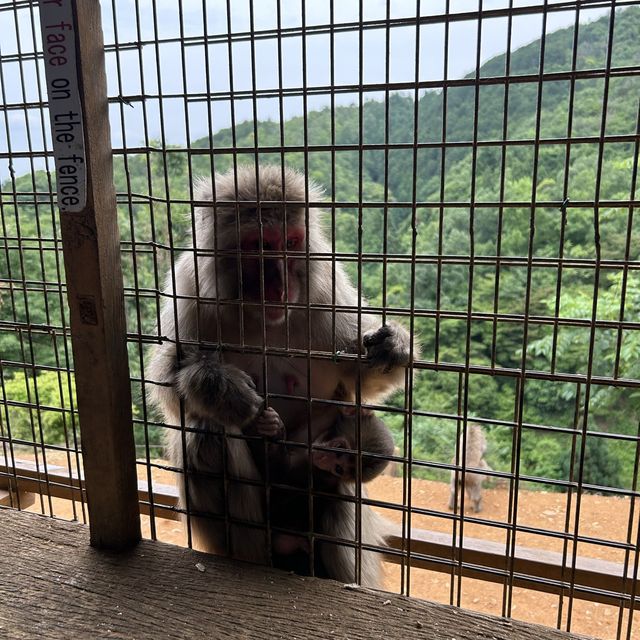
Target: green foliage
{"points": [[41, 409], [601, 465], [51, 422], [457, 176]]}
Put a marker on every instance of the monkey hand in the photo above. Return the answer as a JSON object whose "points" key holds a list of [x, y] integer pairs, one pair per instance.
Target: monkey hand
{"points": [[215, 390], [269, 425], [387, 347]]}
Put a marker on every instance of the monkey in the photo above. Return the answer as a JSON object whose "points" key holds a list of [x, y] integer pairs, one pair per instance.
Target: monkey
{"points": [[376, 446], [242, 312], [331, 461], [331, 427], [474, 458]]}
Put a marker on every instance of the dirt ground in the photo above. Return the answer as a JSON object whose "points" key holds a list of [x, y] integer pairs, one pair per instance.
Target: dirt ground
{"points": [[604, 518]]}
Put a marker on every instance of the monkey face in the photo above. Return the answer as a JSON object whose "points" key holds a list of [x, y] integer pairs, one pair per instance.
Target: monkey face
{"points": [[338, 463], [281, 274]]}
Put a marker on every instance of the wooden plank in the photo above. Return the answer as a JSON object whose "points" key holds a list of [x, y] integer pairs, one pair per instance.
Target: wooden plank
{"points": [[23, 499], [595, 580], [32, 478], [95, 291], [60, 483], [55, 586]]}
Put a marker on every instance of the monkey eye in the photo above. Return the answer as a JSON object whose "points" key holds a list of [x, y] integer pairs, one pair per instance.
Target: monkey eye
{"points": [[293, 242]]}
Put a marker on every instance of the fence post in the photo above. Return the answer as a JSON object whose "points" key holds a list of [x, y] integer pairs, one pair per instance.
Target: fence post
{"points": [[77, 93]]}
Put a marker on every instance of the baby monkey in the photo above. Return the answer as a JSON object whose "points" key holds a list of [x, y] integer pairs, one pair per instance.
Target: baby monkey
{"points": [[330, 470], [473, 459]]}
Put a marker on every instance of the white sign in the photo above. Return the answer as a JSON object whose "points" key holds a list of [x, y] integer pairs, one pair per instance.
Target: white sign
{"points": [[65, 109]]}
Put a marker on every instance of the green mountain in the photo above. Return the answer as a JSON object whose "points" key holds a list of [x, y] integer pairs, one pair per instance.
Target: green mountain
{"points": [[457, 192]]}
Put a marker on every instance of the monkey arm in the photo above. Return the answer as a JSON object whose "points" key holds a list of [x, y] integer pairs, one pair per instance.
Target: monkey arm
{"points": [[270, 449], [388, 348], [209, 388], [161, 376], [218, 391]]}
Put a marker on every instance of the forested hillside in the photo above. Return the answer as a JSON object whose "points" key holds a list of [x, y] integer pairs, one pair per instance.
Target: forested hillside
{"points": [[447, 184]]}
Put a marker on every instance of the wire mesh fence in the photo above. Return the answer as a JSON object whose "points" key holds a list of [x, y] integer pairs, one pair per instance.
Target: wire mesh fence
{"points": [[478, 162], [39, 420]]}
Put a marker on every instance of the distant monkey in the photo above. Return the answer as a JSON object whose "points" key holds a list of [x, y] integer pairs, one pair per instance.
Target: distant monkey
{"points": [[476, 446], [248, 302]]}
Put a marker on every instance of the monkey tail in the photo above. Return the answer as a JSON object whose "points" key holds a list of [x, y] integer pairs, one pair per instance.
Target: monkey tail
{"points": [[339, 522]]}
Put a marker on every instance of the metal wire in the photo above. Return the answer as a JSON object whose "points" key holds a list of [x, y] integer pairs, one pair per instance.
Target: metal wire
{"points": [[187, 98], [22, 329]]}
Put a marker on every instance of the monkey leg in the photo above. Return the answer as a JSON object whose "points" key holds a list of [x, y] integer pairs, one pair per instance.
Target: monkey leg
{"points": [[453, 484], [246, 502], [474, 491], [209, 530], [203, 495], [339, 560], [228, 506]]}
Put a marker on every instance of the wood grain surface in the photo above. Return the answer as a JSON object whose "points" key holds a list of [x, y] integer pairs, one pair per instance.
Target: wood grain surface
{"points": [[54, 585]]}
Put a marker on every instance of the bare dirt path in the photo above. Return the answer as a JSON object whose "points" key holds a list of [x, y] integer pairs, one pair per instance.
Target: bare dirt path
{"points": [[605, 518]]}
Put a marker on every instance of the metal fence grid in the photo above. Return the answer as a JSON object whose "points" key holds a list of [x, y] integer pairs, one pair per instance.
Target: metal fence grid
{"points": [[466, 204], [39, 419]]}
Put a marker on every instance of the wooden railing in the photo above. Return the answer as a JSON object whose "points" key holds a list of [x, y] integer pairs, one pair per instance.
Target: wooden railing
{"points": [[541, 570]]}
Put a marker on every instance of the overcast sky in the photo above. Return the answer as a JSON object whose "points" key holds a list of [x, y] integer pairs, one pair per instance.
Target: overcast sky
{"points": [[461, 58]]}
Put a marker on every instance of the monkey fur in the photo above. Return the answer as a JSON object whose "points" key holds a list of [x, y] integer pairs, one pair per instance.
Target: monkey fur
{"points": [[243, 311], [294, 469]]}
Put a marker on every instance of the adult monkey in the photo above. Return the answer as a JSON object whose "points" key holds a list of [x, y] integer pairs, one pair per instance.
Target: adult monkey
{"points": [[250, 263]]}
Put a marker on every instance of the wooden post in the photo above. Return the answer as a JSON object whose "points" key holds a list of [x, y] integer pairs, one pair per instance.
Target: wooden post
{"points": [[77, 89]]}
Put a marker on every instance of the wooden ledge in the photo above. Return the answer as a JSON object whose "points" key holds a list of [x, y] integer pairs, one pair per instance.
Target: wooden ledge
{"points": [[594, 580], [54, 585]]}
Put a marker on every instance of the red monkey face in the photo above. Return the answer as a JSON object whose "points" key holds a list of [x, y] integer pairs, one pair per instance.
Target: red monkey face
{"points": [[281, 273]]}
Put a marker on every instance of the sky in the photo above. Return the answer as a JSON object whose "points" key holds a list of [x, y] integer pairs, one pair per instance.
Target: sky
{"points": [[123, 23]]}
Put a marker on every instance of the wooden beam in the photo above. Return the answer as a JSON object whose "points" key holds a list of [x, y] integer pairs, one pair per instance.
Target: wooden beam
{"points": [[594, 580], [92, 264], [14, 500]]}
